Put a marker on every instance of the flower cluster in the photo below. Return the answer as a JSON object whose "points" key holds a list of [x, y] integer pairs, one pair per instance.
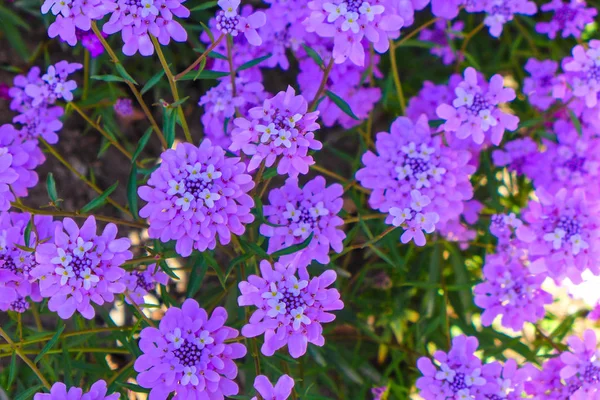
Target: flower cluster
{"points": [[229, 22], [19, 262], [474, 111], [430, 97], [540, 85], [583, 72], [416, 179], [189, 355], [220, 105], [123, 107], [296, 213], [348, 22], [499, 12], [291, 306], [59, 392], [281, 391], [562, 233], [139, 283], [138, 20], [442, 35], [281, 129], [516, 155], [73, 16], [196, 195], [568, 19], [80, 267]]}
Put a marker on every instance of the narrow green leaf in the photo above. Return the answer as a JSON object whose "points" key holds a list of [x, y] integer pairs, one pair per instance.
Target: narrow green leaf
{"points": [[28, 229], [208, 31], [200, 68], [204, 6], [12, 370], [204, 75], [51, 188], [152, 81], [196, 277], [50, 343], [169, 121], [124, 74], [100, 200], [295, 248], [132, 196], [107, 78], [210, 260], [141, 144], [576, 123], [28, 394], [179, 102], [14, 37], [341, 103], [167, 270], [253, 63], [314, 55]]}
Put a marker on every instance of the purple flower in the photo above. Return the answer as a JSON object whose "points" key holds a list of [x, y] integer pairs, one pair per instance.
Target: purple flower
{"points": [[139, 283], [53, 85], [189, 355], [499, 12], [290, 307], [90, 42], [281, 391], [296, 213], [570, 18], [123, 107], [447, 9], [137, 20], [506, 381], [581, 369], [584, 68], [539, 87], [442, 35], [17, 266], [220, 105], [430, 97], [474, 111], [379, 392], [416, 179], [348, 22], [18, 160], [562, 234], [71, 16], [547, 383], [196, 195], [59, 392], [281, 129], [455, 375], [510, 290], [79, 267], [230, 23], [4, 89], [516, 155]]}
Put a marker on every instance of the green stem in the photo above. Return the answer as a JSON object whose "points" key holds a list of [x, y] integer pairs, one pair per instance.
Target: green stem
{"points": [[25, 359], [396, 76], [199, 59]]}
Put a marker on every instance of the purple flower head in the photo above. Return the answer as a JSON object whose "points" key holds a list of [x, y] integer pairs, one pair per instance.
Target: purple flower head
{"points": [[4, 89], [281, 391], [71, 16], [455, 375], [139, 283], [291, 306], [123, 107], [296, 213], [510, 290], [18, 160], [41, 122], [59, 392], [18, 263], [447, 9], [569, 18], [416, 179], [53, 85], [499, 12], [430, 97], [547, 383], [188, 355], [516, 154], [348, 22], [229, 22], [80, 267], [572, 162], [281, 129], [196, 195], [90, 42], [138, 19], [562, 234], [441, 35], [583, 73], [582, 366], [220, 105], [506, 381], [539, 86], [474, 111], [379, 392]]}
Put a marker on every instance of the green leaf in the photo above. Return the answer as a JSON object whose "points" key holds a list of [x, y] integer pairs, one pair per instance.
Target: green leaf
{"points": [[152, 81], [107, 78], [204, 6], [341, 103], [50, 343], [208, 31], [51, 188], [196, 277], [12, 370], [210, 260], [28, 394], [203, 75], [100, 200], [420, 43], [576, 123], [27, 234], [314, 55], [169, 120], [167, 270], [124, 74], [132, 197], [294, 248], [141, 144], [200, 68], [14, 37], [132, 387], [253, 63], [179, 102]]}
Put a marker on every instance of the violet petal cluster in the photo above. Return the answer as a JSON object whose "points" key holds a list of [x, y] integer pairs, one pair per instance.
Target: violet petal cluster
{"points": [[59, 392], [229, 22], [197, 195], [140, 283], [291, 307], [569, 18], [72, 16], [282, 390], [189, 355]]}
